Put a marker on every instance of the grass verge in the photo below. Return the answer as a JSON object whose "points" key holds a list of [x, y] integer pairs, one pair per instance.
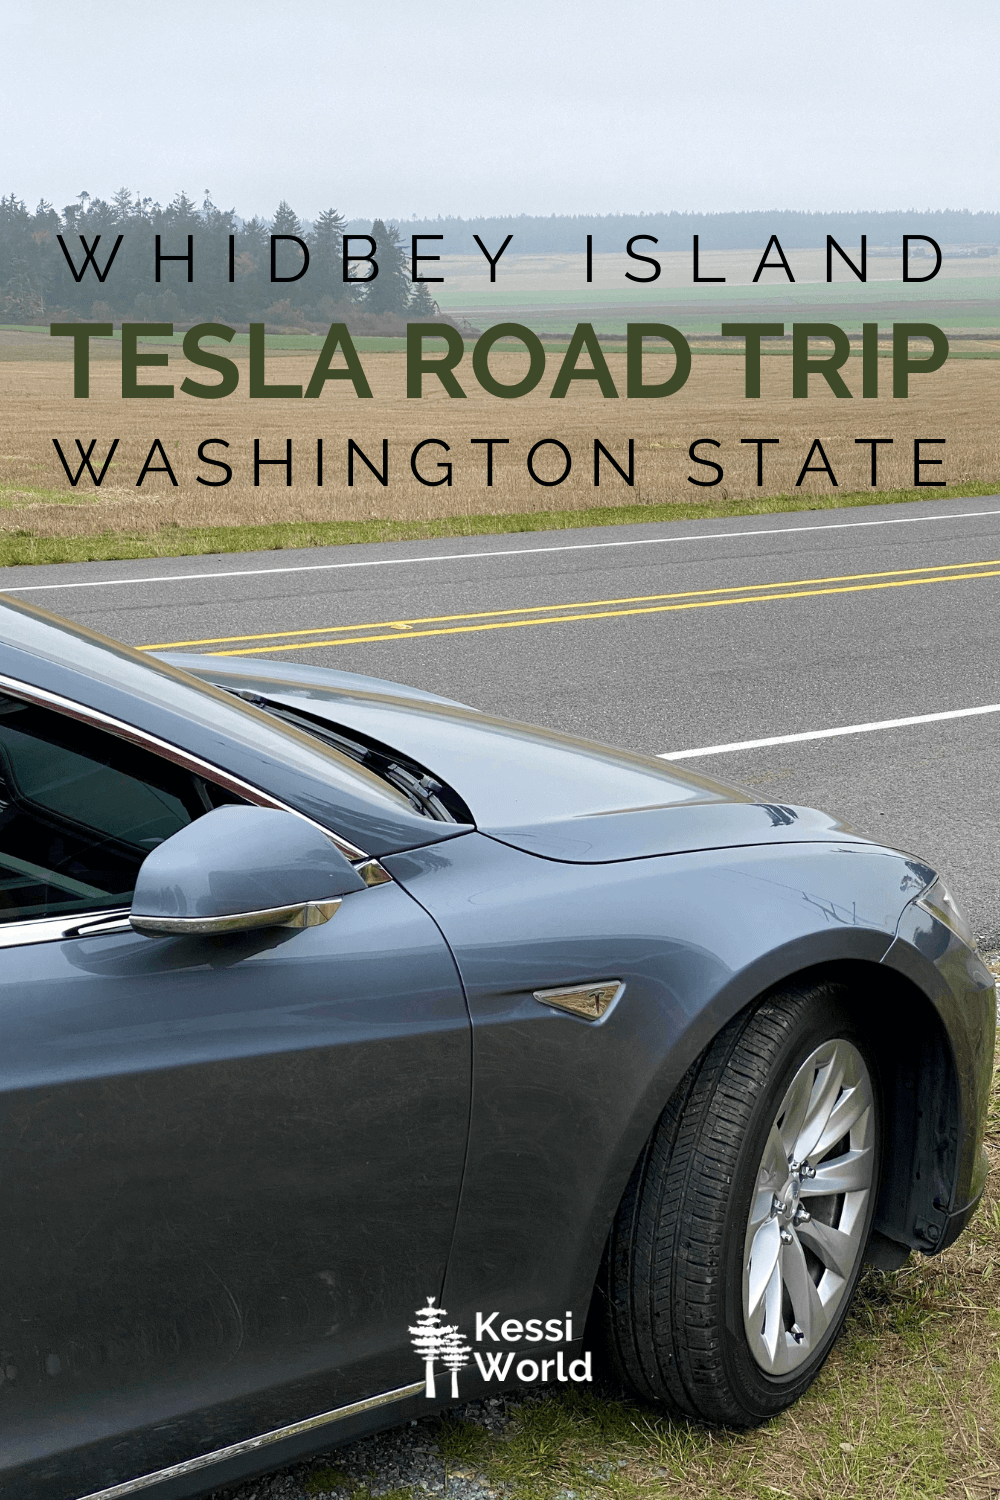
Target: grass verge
{"points": [[21, 548]]}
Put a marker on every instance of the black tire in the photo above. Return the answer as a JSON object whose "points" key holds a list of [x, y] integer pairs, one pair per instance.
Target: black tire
{"points": [[671, 1294]]}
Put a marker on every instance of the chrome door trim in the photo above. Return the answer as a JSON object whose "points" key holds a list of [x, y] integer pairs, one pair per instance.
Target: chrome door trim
{"points": [[80, 711], [252, 1445], [69, 925]]}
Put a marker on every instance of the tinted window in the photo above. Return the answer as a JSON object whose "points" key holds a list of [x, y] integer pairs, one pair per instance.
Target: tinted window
{"points": [[79, 812]]}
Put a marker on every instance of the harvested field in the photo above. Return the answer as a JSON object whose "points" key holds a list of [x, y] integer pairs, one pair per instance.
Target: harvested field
{"points": [[958, 403]]}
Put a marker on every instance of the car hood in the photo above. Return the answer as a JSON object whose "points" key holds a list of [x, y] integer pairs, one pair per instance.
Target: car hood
{"points": [[550, 794]]}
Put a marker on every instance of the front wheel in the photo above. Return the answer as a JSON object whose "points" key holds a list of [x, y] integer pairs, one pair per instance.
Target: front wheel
{"points": [[741, 1236]]}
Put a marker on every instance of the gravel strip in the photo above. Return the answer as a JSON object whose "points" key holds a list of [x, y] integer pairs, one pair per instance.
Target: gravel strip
{"points": [[402, 1458]]}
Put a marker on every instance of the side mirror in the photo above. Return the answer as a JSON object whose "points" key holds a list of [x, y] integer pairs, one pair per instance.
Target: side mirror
{"points": [[238, 868]]}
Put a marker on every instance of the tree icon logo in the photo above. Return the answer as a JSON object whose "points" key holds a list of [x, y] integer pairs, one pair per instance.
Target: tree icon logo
{"points": [[434, 1340]]}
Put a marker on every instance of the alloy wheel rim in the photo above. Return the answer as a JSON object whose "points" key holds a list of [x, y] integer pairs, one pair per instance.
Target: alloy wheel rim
{"points": [[806, 1227]]}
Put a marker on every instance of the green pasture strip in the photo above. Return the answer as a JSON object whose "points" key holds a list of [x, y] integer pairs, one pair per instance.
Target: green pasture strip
{"points": [[12, 495], [888, 289], [22, 548]]}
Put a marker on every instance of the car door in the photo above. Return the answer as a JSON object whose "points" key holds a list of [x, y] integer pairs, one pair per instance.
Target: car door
{"points": [[230, 1166]]}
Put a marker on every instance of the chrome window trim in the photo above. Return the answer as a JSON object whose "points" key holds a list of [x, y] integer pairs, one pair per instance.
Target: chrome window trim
{"points": [[252, 1445], [43, 698], [69, 925]]}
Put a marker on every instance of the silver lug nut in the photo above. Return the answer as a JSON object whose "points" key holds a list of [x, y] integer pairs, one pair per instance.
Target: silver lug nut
{"points": [[786, 1237]]}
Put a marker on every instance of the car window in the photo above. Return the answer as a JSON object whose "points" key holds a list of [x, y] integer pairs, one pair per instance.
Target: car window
{"points": [[79, 811]]}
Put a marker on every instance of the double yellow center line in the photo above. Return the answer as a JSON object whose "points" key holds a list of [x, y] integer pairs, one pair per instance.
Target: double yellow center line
{"points": [[323, 636]]}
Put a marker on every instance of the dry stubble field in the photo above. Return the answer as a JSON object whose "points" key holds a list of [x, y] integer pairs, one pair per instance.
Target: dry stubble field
{"points": [[958, 403]]}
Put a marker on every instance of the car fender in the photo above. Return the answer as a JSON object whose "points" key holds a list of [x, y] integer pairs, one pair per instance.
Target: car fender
{"points": [[562, 1106]]}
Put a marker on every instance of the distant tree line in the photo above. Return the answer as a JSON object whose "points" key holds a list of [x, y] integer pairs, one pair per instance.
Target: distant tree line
{"points": [[36, 281], [535, 234]]}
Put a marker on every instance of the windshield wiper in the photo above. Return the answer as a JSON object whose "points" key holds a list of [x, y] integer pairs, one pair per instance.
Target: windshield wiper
{"points": [[430, 797]]}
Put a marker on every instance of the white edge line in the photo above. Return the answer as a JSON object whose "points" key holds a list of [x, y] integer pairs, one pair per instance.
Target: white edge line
{"points": [[829, 734], [385, 562]]}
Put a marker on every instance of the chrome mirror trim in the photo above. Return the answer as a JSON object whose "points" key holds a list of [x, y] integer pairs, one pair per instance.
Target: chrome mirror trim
{"points": [[591, 1001], [79, 711], [253, 1445], [303, 914]]}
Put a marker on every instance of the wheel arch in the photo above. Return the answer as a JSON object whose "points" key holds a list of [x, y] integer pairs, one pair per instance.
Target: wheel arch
{"points": [[921, 1106], [919, 1090]]}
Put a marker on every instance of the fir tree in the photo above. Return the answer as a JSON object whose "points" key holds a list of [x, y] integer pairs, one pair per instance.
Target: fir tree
{"points": [[422, 305], [390, 291], [326, 244], [286, 220]]}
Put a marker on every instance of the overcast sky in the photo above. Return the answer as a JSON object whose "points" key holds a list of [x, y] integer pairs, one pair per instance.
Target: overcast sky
{"points": [[533, 106]]}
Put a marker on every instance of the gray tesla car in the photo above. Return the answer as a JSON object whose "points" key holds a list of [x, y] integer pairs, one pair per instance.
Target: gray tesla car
{"points": [[361, 1051]]}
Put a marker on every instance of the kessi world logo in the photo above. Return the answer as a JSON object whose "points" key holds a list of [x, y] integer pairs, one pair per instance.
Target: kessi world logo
{"points": [[439, 1343]]}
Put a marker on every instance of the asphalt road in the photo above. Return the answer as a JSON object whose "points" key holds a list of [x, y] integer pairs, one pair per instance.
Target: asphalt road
{"points": [[662, 638]]}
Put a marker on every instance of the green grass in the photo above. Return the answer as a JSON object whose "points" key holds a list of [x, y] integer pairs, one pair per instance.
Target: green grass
{"points": [[12, 495], [22, 548]]}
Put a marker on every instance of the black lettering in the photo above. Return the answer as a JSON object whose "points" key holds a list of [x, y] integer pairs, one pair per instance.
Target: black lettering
{"points": [[831, 246], [760, 454], [780, 264], [488, 444], [85, 462], [381, 475], [906, 257], [349, 255], [431, 483], [647, 259], [274, 257], [599, 448], [90, 251], [150, 468], [189, 257], [545, 443], [918, 460], [415, 256], [703, 278], [216, 463], [821, 468], [873, 443], [493, 258], [260, 463], [708, 462]]}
